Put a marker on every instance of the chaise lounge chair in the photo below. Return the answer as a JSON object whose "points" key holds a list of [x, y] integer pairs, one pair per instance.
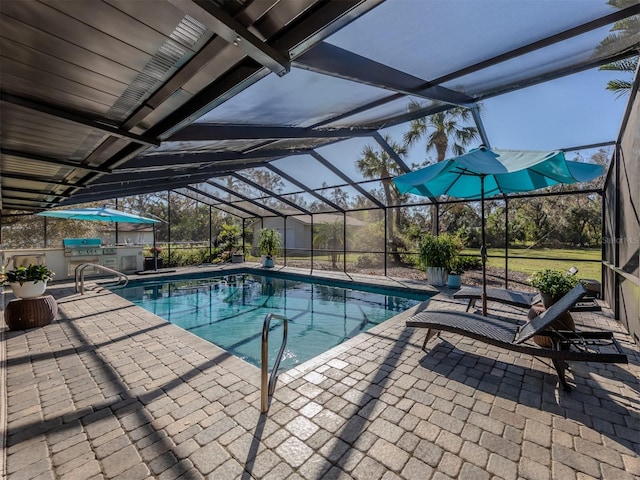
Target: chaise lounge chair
{"points": [[517, 298], [566, 345]]}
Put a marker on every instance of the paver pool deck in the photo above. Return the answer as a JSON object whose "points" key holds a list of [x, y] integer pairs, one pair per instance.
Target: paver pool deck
{"points": [[109, 390]]}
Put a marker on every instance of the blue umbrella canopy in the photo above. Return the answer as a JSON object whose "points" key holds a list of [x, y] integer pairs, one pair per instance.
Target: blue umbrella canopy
{"points": [[102, 214], [503, 172], [483, 173]]}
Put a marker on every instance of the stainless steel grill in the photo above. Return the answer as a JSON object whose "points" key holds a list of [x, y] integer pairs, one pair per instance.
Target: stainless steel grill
{"points": [[88, 250], [78, 247]]}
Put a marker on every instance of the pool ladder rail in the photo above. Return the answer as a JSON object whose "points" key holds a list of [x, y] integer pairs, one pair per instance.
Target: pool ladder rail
{"points": [[269, 386], [79, 276]]}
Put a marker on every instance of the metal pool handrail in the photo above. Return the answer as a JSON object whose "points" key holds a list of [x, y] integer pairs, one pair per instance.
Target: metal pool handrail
{"points": [[267, 391], [122, 278]]}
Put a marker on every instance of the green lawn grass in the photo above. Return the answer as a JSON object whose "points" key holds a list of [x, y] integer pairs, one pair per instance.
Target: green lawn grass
{"points": [[561, 259]]}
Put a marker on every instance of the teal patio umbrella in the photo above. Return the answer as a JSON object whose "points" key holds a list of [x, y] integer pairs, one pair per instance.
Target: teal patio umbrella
{"points": [[103, 214], [99, 214], [483, 173]]}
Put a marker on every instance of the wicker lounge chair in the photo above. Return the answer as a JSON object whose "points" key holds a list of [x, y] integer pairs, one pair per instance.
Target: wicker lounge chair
{"points": [[517, 298], [592, 346]]}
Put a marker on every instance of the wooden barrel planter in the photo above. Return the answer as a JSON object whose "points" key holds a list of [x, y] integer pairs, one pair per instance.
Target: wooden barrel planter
{"points": [[564, 322]]}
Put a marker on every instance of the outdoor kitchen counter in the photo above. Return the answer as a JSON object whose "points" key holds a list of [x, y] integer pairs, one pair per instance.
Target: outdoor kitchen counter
{"points": [[127, 259]]}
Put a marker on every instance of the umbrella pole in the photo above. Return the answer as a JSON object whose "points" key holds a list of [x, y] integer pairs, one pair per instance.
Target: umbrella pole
{"points": [[483, 250], [155, 253]]}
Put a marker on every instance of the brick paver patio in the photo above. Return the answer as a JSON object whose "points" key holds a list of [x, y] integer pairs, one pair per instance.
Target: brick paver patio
{"points": [[109, 390]]}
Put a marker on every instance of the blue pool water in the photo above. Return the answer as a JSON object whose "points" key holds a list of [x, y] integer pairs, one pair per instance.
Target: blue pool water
{"points": [[229, 311]]}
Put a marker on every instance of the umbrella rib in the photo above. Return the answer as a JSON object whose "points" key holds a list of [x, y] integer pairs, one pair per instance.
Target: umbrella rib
{"points": [[460, 172], [451, 184]]}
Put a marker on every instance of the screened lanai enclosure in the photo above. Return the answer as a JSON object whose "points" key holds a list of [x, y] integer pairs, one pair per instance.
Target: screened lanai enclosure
{"points": [[297, 115]]}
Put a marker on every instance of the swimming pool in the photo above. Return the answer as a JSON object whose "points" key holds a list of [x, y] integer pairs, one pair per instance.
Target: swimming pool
{"points": [[229, 311]]}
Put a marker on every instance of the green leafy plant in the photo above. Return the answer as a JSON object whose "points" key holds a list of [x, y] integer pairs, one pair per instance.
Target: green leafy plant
{"points": [[438, 251], [369, 260], [32, 273], [553, 282], [269, 242], [229, 239], [469, 263], [456, 267]]}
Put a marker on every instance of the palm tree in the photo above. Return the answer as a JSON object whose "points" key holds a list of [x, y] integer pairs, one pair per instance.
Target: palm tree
{"points": [[443, 132], [376, 163], [618, 86], [623, 33], [330, 236], [441, 129]]}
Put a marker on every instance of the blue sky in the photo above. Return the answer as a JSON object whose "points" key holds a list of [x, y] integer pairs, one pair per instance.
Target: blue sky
{"points": [[567, 112]]}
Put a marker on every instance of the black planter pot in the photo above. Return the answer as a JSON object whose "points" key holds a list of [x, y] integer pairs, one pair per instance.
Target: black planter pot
{"points": [[150, 263]]}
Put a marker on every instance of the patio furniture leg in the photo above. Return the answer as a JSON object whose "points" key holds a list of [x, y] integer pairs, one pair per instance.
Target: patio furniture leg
{"points": [[430, 334], [472, 304], [561, 366]]}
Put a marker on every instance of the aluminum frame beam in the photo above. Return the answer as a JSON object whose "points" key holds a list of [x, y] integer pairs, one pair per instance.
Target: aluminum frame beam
{"points": [[344, 177], [223, 202], [475, 112], [29, 190], [205, 131], [391, 152], [207, 204], [301, 186], [269, 192], [212, 170], [236, 34], [545, 42], [20, 206], [154, 161], [243, 197], [51, 161], [33, 178], [105, 191], [334, 61]]}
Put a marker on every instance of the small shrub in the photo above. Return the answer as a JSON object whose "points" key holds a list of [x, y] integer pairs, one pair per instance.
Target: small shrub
{"points": [[368, 261], [469, 263]]}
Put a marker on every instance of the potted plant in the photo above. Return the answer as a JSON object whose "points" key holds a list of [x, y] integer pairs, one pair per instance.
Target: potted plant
{"points": [[29, 282], [454, 279], [436, 254], [269, 244], [553, 284]]}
